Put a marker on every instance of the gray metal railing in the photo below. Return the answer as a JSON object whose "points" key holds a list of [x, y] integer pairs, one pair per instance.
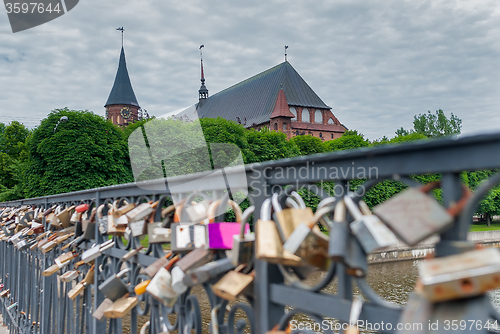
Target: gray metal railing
{"points": [[40, 304]]}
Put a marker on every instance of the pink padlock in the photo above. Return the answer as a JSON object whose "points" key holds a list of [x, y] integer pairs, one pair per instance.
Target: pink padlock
{"points": [[220, 235]]}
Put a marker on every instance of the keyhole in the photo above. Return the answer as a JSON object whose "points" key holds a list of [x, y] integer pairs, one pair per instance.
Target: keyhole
{"points": [[467, 285]]}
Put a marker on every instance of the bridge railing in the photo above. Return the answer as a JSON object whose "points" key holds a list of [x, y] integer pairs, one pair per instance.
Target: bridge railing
{"points": [[39, 304]]}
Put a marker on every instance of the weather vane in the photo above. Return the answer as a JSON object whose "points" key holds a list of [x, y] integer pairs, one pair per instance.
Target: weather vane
{"points": [[286, 47], [122, 30]]}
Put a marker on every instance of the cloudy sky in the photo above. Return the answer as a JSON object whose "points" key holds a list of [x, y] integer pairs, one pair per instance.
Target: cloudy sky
{"points": [[376, 63]]}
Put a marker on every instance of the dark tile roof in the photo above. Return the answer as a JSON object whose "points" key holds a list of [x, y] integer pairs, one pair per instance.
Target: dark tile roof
{"points": [[254, 98], [122, 92]]}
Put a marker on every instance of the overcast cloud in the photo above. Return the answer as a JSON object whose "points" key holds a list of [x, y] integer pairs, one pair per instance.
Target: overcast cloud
{"points": [[376, 63]]}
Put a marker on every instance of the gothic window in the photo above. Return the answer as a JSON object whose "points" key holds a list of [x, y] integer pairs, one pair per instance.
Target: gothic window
{"points": [[320, 135], [318, 117], [332, 133], [294, 112], [305, 116], [330, 121], [284, 126], [275, 126]]}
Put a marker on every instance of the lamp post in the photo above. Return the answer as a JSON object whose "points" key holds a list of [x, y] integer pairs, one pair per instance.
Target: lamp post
{"points": [[62, 119]]}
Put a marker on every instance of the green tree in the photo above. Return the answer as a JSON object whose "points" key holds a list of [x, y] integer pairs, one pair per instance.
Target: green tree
{"points": [[12, 139], [434, 125], [267, 145], [350, 140], [84, 152], [308, 144]]}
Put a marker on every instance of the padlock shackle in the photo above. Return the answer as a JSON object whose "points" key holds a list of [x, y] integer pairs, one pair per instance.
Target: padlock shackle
{"points": [[123, 272], [244, 220], [291, 203], [298, 199], [339, 215], [265, 210], [352, 207], [182, 211], [211, 212], [276, 204], [319, 214]]}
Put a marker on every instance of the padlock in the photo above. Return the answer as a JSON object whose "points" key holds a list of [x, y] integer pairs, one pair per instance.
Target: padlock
{"points": [[51, 270], [27, 218], [122, 210], [369, 230], [233, 284], [178, 280], [198, 212], [69, 276], [78, 288], [471, 273], [99, 312], [356, 308], [141, 211], [192, 260], [116, 226], [130, 254], [158, 232], [102, 218], [220, 235], [289, 218], [160, 288], [65, 216], [113, 287], [268, 244], [308, 244], [413, 215], [96, 251], [162, 262], [208, 271], [243, 243], [4, 293], [121, 307], [88, 226]]}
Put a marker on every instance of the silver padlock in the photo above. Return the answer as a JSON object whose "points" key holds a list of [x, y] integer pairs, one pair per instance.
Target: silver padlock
{"points": [[178, 280], [243, 244], [369, 230]]}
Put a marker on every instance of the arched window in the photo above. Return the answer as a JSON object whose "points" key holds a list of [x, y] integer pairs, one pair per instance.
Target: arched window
{"points": [[318, 117], [275, 126], [320, 135], [284, 126], [305, 116], [332, 133], [294, 112], [330, 121]]}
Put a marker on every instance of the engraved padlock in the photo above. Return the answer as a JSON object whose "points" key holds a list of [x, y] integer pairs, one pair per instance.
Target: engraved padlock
{"points": [[414, 215], [113, 287], [369, 229]]}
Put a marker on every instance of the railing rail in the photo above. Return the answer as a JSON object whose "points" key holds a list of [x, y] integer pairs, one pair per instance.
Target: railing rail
{"points": [[42, 303]]}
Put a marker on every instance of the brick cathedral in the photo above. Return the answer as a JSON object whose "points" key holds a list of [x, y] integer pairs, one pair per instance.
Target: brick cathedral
{"points": [[278, 98]]}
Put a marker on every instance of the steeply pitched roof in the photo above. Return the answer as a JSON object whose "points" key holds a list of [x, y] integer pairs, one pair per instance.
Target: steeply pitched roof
{"points": [[253, 99], [122, 92], [281, 107]]}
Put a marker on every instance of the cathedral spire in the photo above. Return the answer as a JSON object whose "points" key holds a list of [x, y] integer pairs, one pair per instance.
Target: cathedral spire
{"points": [[203, 91]]}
